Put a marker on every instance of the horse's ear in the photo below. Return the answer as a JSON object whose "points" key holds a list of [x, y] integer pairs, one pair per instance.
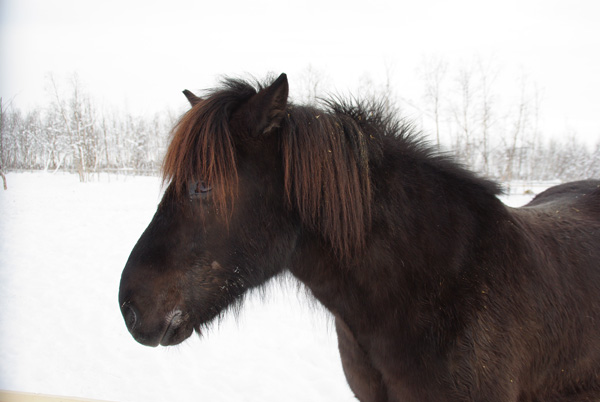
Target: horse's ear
{"points": [[267, 108], [193, 99]]}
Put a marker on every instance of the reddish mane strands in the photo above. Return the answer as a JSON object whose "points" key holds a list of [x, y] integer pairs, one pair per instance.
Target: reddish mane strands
{"points": [[327, 176], [202, 149], [324, 156]]}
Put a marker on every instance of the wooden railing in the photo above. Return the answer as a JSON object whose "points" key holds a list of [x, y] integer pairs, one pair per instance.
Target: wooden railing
{"points": [[12, 396]]}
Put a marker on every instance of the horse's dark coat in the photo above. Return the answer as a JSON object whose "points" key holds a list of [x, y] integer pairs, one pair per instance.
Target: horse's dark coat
{"points": [[439, 291]]}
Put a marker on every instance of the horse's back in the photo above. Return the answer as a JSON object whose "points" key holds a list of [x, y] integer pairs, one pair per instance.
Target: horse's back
{"points": [[566, 217], [584, 194]]}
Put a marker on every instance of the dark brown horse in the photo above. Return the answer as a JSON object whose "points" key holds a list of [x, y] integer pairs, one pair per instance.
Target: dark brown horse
{"points": [[439, 291]]}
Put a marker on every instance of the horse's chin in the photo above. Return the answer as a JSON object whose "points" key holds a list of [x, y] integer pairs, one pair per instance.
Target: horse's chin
{"points": [[177, 337], [177, 330]]}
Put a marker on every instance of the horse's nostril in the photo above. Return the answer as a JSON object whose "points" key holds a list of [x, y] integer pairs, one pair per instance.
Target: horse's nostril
{"points": [[130, 316]]}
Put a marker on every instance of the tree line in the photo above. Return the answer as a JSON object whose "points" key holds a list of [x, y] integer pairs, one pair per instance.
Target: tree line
{"points": [[500, 137], [71, 133], [459, 110]]}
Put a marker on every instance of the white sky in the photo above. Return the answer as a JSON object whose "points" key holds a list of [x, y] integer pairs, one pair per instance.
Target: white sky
{"points": [[141, 54]]}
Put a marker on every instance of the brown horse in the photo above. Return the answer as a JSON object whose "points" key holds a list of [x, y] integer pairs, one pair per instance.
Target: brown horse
{"points": [[439, 291]]}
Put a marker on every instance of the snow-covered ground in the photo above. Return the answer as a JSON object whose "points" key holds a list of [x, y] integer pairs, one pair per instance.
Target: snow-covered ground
{"points": [[63, 245]]}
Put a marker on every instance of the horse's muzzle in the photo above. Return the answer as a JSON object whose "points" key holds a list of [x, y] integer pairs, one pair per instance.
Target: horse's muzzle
{"points": [[171, 330]]}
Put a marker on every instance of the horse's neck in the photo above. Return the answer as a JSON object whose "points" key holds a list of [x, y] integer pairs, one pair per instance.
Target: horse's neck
{"points": [[427, 230]]}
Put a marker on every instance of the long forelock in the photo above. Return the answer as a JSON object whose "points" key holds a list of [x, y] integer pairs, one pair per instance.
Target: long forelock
{"points": [[202, 147]]}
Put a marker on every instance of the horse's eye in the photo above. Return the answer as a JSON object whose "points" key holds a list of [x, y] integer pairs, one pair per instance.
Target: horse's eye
{"points": [[198, 189]]}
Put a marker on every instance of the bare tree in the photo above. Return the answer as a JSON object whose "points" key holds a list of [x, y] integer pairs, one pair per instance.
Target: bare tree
{"points": [[2, 113], [311, 83], [463, 113], [594, 163], [433, 73], [516, 148], [78, 120], [2, 131], [487, 76]]}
